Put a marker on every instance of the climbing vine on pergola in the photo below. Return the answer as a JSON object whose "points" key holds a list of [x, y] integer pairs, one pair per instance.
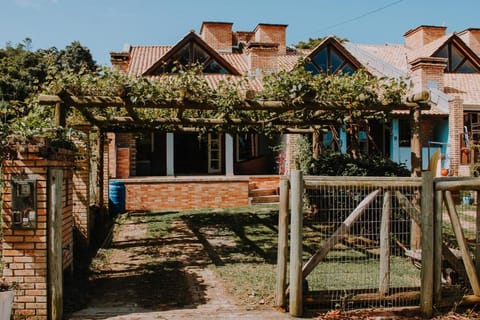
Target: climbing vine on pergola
{"points": [[292, 101]]}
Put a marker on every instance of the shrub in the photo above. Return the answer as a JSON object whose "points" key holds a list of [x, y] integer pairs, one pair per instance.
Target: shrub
{"points": [[337, 164]]}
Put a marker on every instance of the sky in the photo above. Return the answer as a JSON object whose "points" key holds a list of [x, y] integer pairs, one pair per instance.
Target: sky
{"points": [[106, 25]]}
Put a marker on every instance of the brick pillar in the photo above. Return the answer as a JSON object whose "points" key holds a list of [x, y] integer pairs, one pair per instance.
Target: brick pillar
{"points": [[123, 163], [24, 251], [291, 151], [455, 124], [81, 194], [107, 171]]}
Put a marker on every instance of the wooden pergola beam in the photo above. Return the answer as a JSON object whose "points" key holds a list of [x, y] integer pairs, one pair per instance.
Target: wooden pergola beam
{"points": [[247, 105]]}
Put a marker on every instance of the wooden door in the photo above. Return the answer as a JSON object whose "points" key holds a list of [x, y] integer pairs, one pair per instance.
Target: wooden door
{"points": [[55, 267]]}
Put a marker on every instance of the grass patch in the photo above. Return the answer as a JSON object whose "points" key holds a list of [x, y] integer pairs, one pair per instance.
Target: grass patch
{"points": [[242, 248], [251, 284]]}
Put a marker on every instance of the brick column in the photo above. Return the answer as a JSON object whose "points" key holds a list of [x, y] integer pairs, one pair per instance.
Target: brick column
{"points": [[455, 124], [24, 251], [81, 194]]}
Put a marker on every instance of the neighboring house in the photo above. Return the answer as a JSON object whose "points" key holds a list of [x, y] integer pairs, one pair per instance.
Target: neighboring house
{"points": [[447, 65]]}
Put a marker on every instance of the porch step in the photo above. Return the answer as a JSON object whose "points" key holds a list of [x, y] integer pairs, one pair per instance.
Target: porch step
{"points": [[263, 195], [262, 192], [264, 199]]}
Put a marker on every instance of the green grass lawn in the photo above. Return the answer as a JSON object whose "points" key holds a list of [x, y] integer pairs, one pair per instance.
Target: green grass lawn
{"points": [[242, 243]]}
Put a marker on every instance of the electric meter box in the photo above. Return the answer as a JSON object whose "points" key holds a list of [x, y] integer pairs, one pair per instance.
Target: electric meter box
{"points": [[24, 203]]}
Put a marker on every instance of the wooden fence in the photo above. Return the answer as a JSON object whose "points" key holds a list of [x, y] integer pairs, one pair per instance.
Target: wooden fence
{"points": [[351, 244]]}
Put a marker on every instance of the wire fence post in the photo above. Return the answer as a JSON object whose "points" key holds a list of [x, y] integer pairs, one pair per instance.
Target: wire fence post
{"points": [[296, 243], [427, 243], [282, 248]]}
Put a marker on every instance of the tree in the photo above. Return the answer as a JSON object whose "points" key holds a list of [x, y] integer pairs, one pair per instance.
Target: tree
{"points": [[75, 56], [24, 73], [311, 43]]}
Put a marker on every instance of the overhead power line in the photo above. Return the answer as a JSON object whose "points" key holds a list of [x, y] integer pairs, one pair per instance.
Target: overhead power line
{"points": [[361, 16]]}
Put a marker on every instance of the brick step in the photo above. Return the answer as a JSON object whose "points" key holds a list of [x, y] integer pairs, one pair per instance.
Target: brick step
{"points": [[264, 199], [262, 192]]}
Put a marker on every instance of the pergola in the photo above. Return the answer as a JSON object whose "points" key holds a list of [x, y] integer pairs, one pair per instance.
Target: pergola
{"points": [[302, 117]]}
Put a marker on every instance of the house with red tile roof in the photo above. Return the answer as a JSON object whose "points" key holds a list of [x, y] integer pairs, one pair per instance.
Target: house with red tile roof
{"points": [[445, 64]]}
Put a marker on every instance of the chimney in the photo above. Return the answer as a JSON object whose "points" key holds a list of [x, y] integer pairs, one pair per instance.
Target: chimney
{"points": [[422, 35], [471, 37], [120, 60], [242, 37], [427, 73], [218, 35], [262, 58], [272, 33]]}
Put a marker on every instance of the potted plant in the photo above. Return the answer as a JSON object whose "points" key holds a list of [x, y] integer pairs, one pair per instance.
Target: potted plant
{"points": [[7, 292]]}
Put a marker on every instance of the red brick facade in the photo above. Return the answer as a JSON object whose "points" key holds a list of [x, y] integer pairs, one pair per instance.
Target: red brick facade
{"points": [[428, 72], [272, 33], [422, 35], [162, 193], [218, 35], [472, 37], [25, 250], [262, 58], [185, 193], [81, 190], [455, 124]]}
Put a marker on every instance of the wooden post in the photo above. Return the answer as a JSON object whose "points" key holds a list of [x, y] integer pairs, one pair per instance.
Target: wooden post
{"points": [[416, 162], [296, 243], [477, 244], [316, 143], [427, 237], [384, 285], [60, 115], [54, 245], [415, 143], [282, 248], [437, 250]]}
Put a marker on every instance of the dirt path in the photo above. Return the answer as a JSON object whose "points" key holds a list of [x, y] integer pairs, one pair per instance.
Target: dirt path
{"points": [[138, 277]]}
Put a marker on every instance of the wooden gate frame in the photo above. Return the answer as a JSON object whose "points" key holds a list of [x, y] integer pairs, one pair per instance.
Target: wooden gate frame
{"points": [[434, 193]]}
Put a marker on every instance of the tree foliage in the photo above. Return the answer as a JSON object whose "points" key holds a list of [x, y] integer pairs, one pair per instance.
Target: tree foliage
{"points": [[75, 57], [311, 43], [24, 73]]}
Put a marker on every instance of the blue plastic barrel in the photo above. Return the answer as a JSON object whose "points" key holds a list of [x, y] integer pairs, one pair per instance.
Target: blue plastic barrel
{"points": [[116, 196]]}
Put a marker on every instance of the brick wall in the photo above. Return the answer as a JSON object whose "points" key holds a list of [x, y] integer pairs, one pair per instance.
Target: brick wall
{"points": [[126, 140], [423, 35], [455, 124], [471, 37], [428, 72], [24, 251], [264, 182], [272, 33], [218, 35], [159, 193], [107, 155], [262, 58], [243, 36], [291, 151], [123, 163], [81, 190], [120, 60]]}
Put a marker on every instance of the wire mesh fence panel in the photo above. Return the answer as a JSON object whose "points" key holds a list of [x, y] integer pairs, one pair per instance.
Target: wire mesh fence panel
{"points": [[465, 202], [365, 267]]}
